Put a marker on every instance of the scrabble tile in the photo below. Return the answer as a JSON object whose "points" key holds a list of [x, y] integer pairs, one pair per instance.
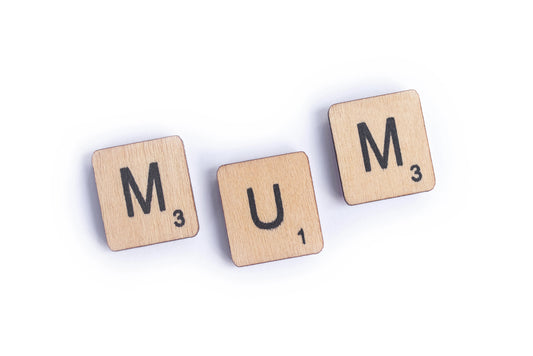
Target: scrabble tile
{"points": [[270, 209], [145, 193], [382, 147]]}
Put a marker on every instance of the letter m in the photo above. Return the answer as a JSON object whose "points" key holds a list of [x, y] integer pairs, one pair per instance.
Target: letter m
{"points": [[129, 182], [366, 137]]}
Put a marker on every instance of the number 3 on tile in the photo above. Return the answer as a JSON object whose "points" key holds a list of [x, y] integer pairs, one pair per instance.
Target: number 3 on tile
{"points": [[180, 220], [301, 233], [417, 177]]}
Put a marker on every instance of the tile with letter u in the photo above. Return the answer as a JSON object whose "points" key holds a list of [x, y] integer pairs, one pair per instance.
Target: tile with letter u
{"points": [[270, 209]]}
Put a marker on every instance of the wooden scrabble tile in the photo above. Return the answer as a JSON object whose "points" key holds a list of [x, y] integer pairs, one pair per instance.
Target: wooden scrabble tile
{"points": [[382, 147], [145, 193], [270, 209]]}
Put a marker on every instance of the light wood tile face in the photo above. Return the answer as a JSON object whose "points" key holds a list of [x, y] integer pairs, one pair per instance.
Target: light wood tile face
{"points": [[270, 209], [382, 147], [145, 193]]}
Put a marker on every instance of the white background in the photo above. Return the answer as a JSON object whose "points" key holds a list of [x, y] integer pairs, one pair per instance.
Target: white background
{"points": [[449, 272]]}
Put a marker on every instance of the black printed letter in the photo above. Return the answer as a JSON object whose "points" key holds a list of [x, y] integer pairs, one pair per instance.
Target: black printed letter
{"points": [[253, 210], [153, 178], [383, 159]]}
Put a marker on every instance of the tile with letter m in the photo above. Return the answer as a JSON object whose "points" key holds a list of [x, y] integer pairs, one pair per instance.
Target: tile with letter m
{"points": [[270, 209], [145, 193], [381, 146]]}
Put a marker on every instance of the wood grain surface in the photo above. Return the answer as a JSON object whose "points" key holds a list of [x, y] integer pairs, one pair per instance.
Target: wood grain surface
{"points": [[405, 166], [279, 190], [146, 163]]}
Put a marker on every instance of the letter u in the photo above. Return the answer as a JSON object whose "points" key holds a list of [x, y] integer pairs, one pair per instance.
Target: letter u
{"points": [[279, 207]]}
